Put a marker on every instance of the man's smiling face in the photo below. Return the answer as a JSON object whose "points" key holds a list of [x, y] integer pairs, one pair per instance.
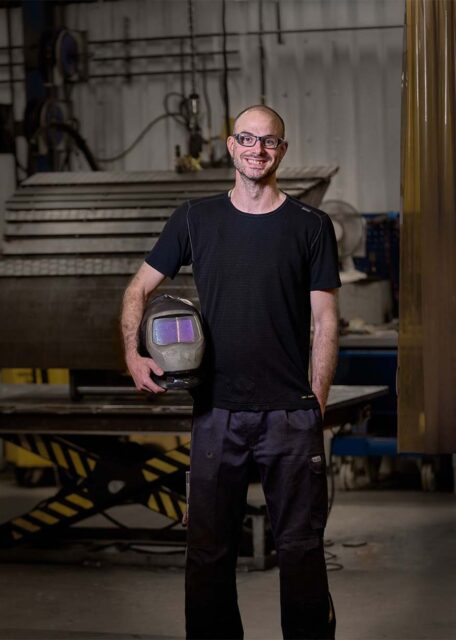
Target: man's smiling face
{"points": [[257, 163]]}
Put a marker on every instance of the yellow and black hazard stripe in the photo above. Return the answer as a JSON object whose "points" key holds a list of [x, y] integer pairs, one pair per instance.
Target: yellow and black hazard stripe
{"points": [[168, 503], [167, 462], [162, 499], [76, 503], [61, 452], [58, 510]]}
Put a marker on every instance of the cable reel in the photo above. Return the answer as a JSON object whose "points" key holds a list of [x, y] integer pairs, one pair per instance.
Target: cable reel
{"points": [[63, 57], [39, 118]]}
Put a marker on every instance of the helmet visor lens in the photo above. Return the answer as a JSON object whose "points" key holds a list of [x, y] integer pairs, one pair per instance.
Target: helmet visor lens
{"points": [[173, 330]]}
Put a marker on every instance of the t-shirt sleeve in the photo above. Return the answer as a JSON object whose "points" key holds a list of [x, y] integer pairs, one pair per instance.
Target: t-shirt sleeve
{"points": [[324, 261], [173, 247]]}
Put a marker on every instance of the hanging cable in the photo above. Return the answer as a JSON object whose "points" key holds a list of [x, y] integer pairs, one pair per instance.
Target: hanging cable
{"points": [[180, 114], [78, 139], [138, 139], [82, 144], [261, 53], [192, 45], [226, 101], [208, 112], [195, 143], [207, 102]]}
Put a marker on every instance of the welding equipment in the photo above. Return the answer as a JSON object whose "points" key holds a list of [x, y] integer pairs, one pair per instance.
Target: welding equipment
{"points": [[171, 333]]}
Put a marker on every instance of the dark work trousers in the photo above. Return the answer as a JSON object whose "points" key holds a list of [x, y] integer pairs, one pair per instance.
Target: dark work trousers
{"points": [[288, 449]]}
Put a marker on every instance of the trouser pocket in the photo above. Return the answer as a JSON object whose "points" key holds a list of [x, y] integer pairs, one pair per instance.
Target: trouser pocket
{"points": [[318, 491]]}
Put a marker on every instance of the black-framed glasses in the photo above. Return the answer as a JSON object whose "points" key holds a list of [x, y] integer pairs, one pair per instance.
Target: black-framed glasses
{"points": [[247, 139]]}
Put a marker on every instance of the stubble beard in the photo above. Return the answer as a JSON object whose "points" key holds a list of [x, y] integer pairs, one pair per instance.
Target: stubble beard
{"points": [[257, 179]]}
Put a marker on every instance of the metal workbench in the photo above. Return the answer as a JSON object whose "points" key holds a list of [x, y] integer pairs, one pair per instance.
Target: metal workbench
{"points": [[48, 409]]}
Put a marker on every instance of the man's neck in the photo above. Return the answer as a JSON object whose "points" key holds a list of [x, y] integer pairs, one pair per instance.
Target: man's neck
{"points": [[256, 197]]}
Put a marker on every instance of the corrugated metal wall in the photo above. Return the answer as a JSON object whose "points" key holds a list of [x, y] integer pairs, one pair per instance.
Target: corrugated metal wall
{"points": [[339, 91], [17, 57], [7, 169]]}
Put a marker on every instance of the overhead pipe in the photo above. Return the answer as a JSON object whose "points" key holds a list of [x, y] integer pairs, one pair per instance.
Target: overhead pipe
{"points": [[145, 73], [268, 32], [158, 56]]}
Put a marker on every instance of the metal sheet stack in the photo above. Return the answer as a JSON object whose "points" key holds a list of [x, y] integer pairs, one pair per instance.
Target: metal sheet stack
{"points": [[71, 241]]}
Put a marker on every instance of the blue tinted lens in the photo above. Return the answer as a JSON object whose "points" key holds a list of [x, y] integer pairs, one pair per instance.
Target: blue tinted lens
{"points": [[173, 330]]}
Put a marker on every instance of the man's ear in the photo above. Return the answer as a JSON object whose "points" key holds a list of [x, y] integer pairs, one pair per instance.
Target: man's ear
{"points": [[230, 145], [283, 148]]}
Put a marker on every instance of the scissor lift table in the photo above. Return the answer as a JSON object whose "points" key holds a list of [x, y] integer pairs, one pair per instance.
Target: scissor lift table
{"points": [[88, 441]]}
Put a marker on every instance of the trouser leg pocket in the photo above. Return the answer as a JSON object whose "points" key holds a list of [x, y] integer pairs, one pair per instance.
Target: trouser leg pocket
{"points": [[318, 491]]}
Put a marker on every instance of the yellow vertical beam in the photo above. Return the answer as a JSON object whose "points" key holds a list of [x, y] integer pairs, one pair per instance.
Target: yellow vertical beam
{"points": [[427, 340]]}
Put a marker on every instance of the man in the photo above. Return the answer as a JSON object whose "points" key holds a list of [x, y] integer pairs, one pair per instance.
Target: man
{"points": [[262, 262]]}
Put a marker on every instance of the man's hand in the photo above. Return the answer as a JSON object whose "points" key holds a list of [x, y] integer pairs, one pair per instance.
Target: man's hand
{"points": [[140, 369], [322, 406]]}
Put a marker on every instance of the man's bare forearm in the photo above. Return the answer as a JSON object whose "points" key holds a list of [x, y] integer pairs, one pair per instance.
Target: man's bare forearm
{"points": [[132, 312], [324, 358], [134, 301], [325, 342]]}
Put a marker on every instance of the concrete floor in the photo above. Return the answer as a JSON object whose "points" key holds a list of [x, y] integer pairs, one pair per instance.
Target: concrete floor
{"points": [[399, 584]]}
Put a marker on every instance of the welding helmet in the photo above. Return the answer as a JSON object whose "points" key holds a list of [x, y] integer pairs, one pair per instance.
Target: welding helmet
{"points": [[171, 333]]}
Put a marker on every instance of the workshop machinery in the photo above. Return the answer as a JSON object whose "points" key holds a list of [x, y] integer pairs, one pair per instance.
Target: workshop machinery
{"points": [[71, 242]]}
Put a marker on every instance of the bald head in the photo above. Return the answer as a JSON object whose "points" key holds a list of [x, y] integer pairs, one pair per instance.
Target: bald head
{"points": [[261, 108]]}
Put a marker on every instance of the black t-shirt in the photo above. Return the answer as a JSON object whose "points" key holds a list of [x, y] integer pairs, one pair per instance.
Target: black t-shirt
{"points": [[254, 274]]}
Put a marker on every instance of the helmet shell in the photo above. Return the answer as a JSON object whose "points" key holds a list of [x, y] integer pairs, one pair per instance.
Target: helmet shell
{"points": [[171, 333]]}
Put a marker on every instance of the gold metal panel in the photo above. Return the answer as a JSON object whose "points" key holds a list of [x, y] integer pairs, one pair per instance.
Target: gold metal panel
{"points": [[427, 339]]}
